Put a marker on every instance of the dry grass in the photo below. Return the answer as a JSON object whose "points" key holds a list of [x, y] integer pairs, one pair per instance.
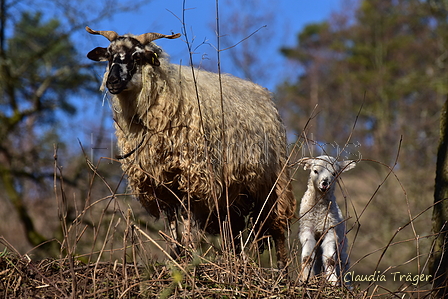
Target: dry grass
{"points": [[125, 259], [22, 277]]}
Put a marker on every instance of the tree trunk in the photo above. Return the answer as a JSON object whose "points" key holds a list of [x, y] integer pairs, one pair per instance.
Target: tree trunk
{"points": [[32, 235], [439, 262]]}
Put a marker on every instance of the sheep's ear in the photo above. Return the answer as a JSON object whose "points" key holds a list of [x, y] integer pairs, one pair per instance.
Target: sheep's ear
{"points": [[306, 162], [347, 165], [152, 58], [98, 54]]}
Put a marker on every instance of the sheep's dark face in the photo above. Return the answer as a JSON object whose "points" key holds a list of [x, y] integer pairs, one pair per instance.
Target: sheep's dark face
{"points": [[325, 170], [126, 56]]}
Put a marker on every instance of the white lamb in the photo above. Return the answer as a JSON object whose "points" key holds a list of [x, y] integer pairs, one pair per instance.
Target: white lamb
{"points": [[321, 222]]}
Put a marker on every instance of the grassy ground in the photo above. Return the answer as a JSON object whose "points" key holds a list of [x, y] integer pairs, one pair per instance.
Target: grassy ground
{"points": [[22, 277], [105, 252], [199, 276]]}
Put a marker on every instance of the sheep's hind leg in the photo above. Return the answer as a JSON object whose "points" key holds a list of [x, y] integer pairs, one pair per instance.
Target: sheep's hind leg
{"points": [[280, 247]]}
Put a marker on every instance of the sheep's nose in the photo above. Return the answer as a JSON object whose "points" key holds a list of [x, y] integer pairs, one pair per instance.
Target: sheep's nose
{"points": [[114, 75], [114, 82], [325, 183]]}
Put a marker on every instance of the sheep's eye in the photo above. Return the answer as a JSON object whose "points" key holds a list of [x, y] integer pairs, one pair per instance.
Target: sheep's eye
{"points": [[334, 173], [137, 57], [315, 171]]}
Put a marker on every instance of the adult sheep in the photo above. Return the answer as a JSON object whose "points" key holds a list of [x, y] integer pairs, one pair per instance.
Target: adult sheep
{"points": [[190, 149]]}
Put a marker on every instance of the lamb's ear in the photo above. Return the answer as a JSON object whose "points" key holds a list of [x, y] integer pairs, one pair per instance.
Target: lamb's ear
{"points": [[98, 54], [306, 162], [347, 165]]}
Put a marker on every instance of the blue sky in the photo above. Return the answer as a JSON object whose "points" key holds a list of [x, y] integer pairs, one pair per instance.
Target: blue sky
{"points": [[165, 17], [289, 18]]}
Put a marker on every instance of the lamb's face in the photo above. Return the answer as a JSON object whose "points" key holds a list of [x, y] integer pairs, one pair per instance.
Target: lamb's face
{"points": [[325, 170], [323, 174], [126, 56]]}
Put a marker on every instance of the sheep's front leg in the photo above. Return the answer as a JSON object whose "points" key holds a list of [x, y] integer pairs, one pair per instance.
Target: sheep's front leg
{"points": [[172, 222], [187, 235], [308, 242], [329, 256]]}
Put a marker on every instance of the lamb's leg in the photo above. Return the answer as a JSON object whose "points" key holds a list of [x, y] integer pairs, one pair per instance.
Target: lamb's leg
{"points": [[329, 256], [308, 242]]}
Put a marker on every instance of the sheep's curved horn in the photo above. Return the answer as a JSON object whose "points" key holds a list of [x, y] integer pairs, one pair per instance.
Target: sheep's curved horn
{"points": [[149, 37], [110, 35]]}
